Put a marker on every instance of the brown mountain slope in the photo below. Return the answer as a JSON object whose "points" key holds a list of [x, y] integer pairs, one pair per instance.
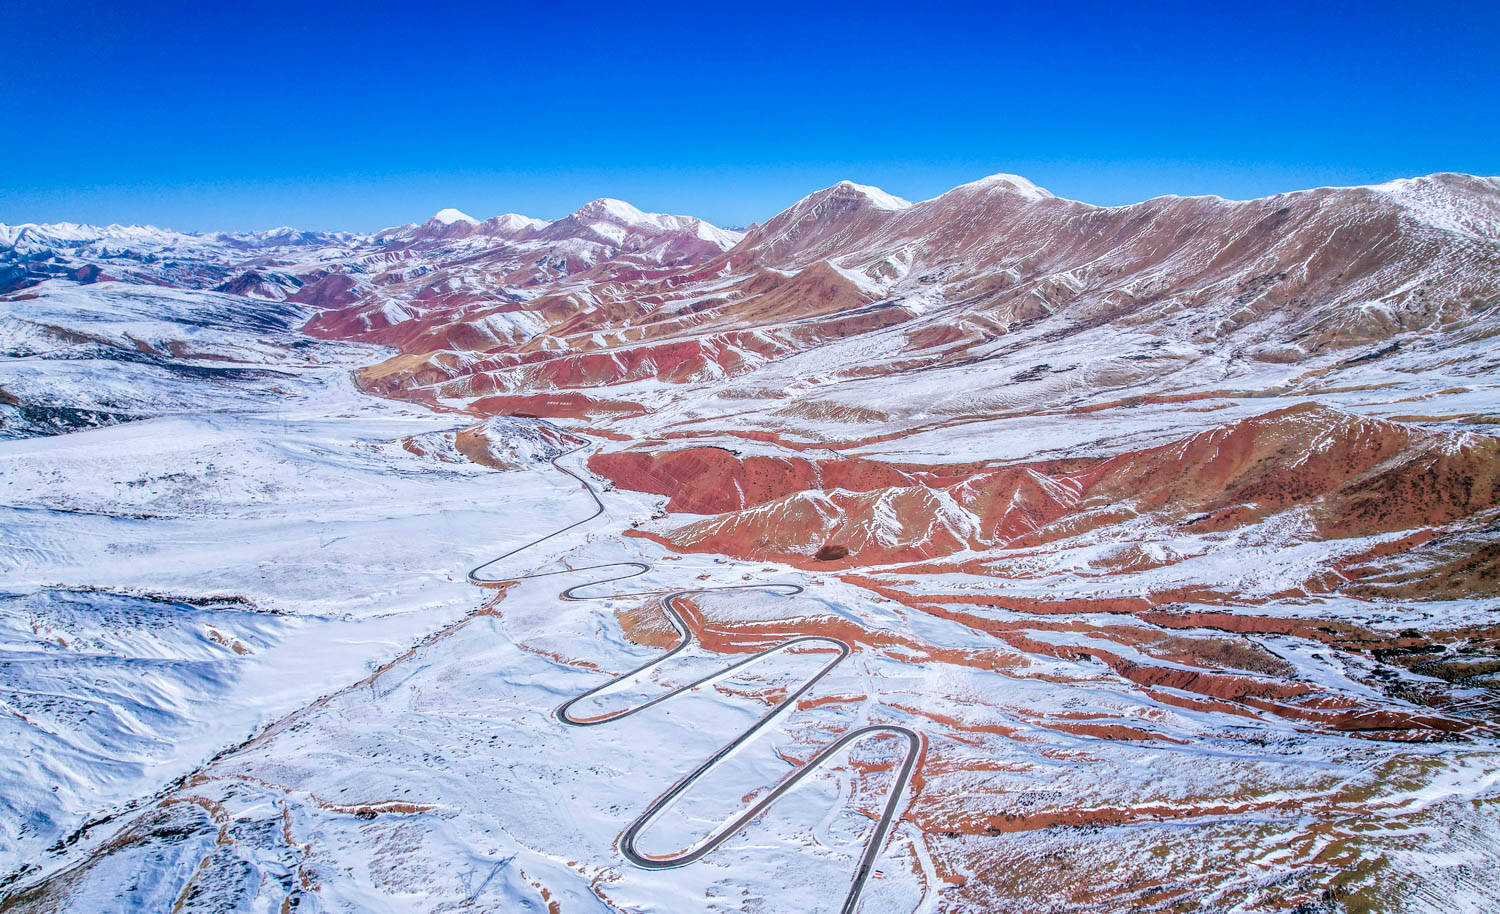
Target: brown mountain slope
{"points": [[1355, 477]]}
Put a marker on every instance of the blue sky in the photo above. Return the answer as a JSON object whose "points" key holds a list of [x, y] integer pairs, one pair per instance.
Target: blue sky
{"points": [[359, 115]]}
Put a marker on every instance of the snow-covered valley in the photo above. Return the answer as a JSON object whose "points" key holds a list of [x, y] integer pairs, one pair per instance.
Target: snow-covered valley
{"points": [[1165, 534], [178, 581]]}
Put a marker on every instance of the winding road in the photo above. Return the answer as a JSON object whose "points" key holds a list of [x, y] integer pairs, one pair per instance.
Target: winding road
{"points": [[563, 713]]}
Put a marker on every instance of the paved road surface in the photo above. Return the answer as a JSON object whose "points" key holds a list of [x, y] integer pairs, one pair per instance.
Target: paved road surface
{"points": [[910, 757]]}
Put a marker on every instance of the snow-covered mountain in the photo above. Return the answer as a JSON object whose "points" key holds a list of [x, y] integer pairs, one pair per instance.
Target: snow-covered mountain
{"points": [[595, 298], [1168, 532], [30, 253], [600, 231]]}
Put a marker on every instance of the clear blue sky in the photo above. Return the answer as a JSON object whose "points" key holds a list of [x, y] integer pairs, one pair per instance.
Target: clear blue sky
{"points": [[213, 115]]}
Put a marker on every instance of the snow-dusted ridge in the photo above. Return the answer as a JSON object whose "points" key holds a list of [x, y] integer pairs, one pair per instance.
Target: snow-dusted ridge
{"points": [[877, 197], [1001, 181], [73, 234]]}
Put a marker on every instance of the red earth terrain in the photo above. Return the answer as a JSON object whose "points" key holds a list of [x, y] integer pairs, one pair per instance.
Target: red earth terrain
{"points": [[1173, 527]]}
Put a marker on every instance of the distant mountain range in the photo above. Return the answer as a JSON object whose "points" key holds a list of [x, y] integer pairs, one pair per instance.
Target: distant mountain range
{"points": [[1291, 274], [1173, 529]]}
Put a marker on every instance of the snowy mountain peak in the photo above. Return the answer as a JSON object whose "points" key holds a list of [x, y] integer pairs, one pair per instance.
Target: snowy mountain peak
{"points": [[1008, 182], [816, 226], [877, 197], [611, 210], [514, 222], [449, 216], [612, 221]]}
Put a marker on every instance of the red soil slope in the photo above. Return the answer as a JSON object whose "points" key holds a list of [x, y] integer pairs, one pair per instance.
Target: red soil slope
{"points": [[1356, 476]]}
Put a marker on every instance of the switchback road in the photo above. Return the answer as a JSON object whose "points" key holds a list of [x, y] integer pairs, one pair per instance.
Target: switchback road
{"points": [[607, 573]]}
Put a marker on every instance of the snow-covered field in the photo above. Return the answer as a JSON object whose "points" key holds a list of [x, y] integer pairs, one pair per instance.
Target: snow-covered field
{"points": [[176, 583], [171, 584]]}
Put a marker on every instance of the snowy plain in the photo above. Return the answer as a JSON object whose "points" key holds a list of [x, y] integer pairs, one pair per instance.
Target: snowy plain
{"points": [[173, 583]]}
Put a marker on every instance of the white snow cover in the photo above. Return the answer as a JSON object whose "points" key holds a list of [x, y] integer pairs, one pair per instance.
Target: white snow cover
{"points": [[613, 218], [877, 197], [285, 501], [449, 216], [514, 222], [1005, 182], [107, 238], [1434, 200]]}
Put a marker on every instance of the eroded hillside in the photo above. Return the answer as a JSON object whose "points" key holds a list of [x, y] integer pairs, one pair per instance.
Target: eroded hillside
{"points": [[1172, 529]]}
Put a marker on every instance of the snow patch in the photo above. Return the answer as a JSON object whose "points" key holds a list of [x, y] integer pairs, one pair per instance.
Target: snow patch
{"points": [[877, 197]]}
